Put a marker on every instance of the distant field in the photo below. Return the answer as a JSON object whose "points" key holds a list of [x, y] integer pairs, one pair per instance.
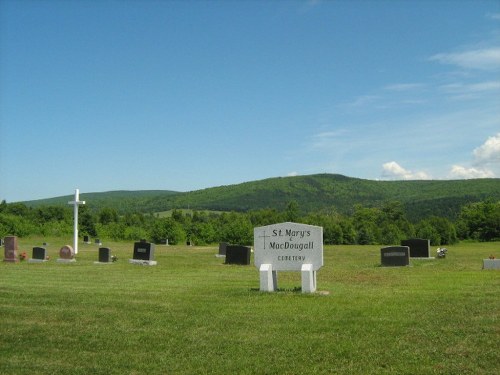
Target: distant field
{"points": [[191, 314]]}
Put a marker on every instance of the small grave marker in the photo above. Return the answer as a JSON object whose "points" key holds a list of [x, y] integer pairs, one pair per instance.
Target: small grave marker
{"points": [[491, 264], [222, 249], [288, 247], [39, 255], [66, 254]]}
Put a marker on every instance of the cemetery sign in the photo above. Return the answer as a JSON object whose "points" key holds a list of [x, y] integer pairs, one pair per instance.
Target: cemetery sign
{"points": [[288, 247]]}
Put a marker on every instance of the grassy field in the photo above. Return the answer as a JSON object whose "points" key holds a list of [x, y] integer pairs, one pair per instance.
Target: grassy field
{"points": [[191, 314]]}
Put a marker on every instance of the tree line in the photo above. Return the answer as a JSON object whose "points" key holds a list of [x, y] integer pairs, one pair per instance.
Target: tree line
{"points": [[385, 225]]}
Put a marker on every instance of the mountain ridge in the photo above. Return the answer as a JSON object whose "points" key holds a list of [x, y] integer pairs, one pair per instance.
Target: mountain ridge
{"points": [[315, 192]]}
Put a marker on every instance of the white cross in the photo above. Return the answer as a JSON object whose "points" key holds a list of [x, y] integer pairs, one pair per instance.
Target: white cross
{"points": [[75, 204]]}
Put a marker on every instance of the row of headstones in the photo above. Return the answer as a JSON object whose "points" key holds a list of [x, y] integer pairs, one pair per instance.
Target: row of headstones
{"points": [[143, 253]]}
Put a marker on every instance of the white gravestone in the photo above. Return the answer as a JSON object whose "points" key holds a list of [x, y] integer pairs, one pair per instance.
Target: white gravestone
{"points": [[288, 247]]}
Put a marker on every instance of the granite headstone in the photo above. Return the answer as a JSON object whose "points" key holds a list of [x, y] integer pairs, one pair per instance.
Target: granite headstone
{"points": [[143, 253], [237, 254], [396, 256], [10, 250], [419, 247], [39, 253]]}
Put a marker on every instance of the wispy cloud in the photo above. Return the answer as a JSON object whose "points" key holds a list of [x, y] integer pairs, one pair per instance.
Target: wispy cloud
{"points": [[482, 59], [362, 101], [461, 90], [404, 87], [493, 16], [392, 170]]}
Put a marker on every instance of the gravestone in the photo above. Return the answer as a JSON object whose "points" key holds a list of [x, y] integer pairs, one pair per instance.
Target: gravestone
{"points": [[491, 264], [288, 247], [39, 255], [395, 256], [86, 239], [143, 253], [66, 254], [104, 255], [98, 241], [10, 250], [419, 248], [222, 249], [237, 254]]}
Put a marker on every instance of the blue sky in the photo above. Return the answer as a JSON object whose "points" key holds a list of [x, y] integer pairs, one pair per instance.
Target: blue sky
{"points": [[186, 95]]}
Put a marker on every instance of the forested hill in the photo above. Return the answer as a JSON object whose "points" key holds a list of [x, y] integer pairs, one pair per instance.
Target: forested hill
{"points": [[421, 198]]}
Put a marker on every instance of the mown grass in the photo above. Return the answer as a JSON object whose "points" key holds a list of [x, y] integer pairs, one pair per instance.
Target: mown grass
{"points": [[191, 314]]}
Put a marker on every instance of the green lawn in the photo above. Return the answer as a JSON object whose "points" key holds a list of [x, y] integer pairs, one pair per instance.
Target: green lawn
{"points": [[191, 314]]}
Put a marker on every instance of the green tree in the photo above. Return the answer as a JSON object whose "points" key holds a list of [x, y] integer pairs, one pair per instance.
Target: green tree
{"points": [[481, 220], [168, 228], [107, 215], [292, 212]]}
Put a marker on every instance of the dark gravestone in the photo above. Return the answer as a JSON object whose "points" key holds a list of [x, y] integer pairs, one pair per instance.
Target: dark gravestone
{"points": [[86, 239], [144, 251], [222, 249], [395, 256], [236, 254], [97, 241], [104, 255], [419, 248], [39, 253]]}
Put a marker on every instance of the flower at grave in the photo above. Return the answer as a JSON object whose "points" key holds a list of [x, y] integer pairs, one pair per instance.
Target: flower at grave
{"points": [[23, 256], [114, 258], [492, 256], [47, 258]]}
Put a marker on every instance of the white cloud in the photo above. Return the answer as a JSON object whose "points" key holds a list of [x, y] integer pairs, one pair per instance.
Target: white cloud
{"points": [[292, 174], [460, 172], [394, 170], [482, 59], [489, 151]]}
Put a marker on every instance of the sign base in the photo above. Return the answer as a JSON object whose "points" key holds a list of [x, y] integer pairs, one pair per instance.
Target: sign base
{"points": [[268, 278], [308, 278]]}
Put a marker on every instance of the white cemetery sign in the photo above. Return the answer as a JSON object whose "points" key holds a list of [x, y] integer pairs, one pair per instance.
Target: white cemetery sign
{"points": [[288, 247], [75, 204]]}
